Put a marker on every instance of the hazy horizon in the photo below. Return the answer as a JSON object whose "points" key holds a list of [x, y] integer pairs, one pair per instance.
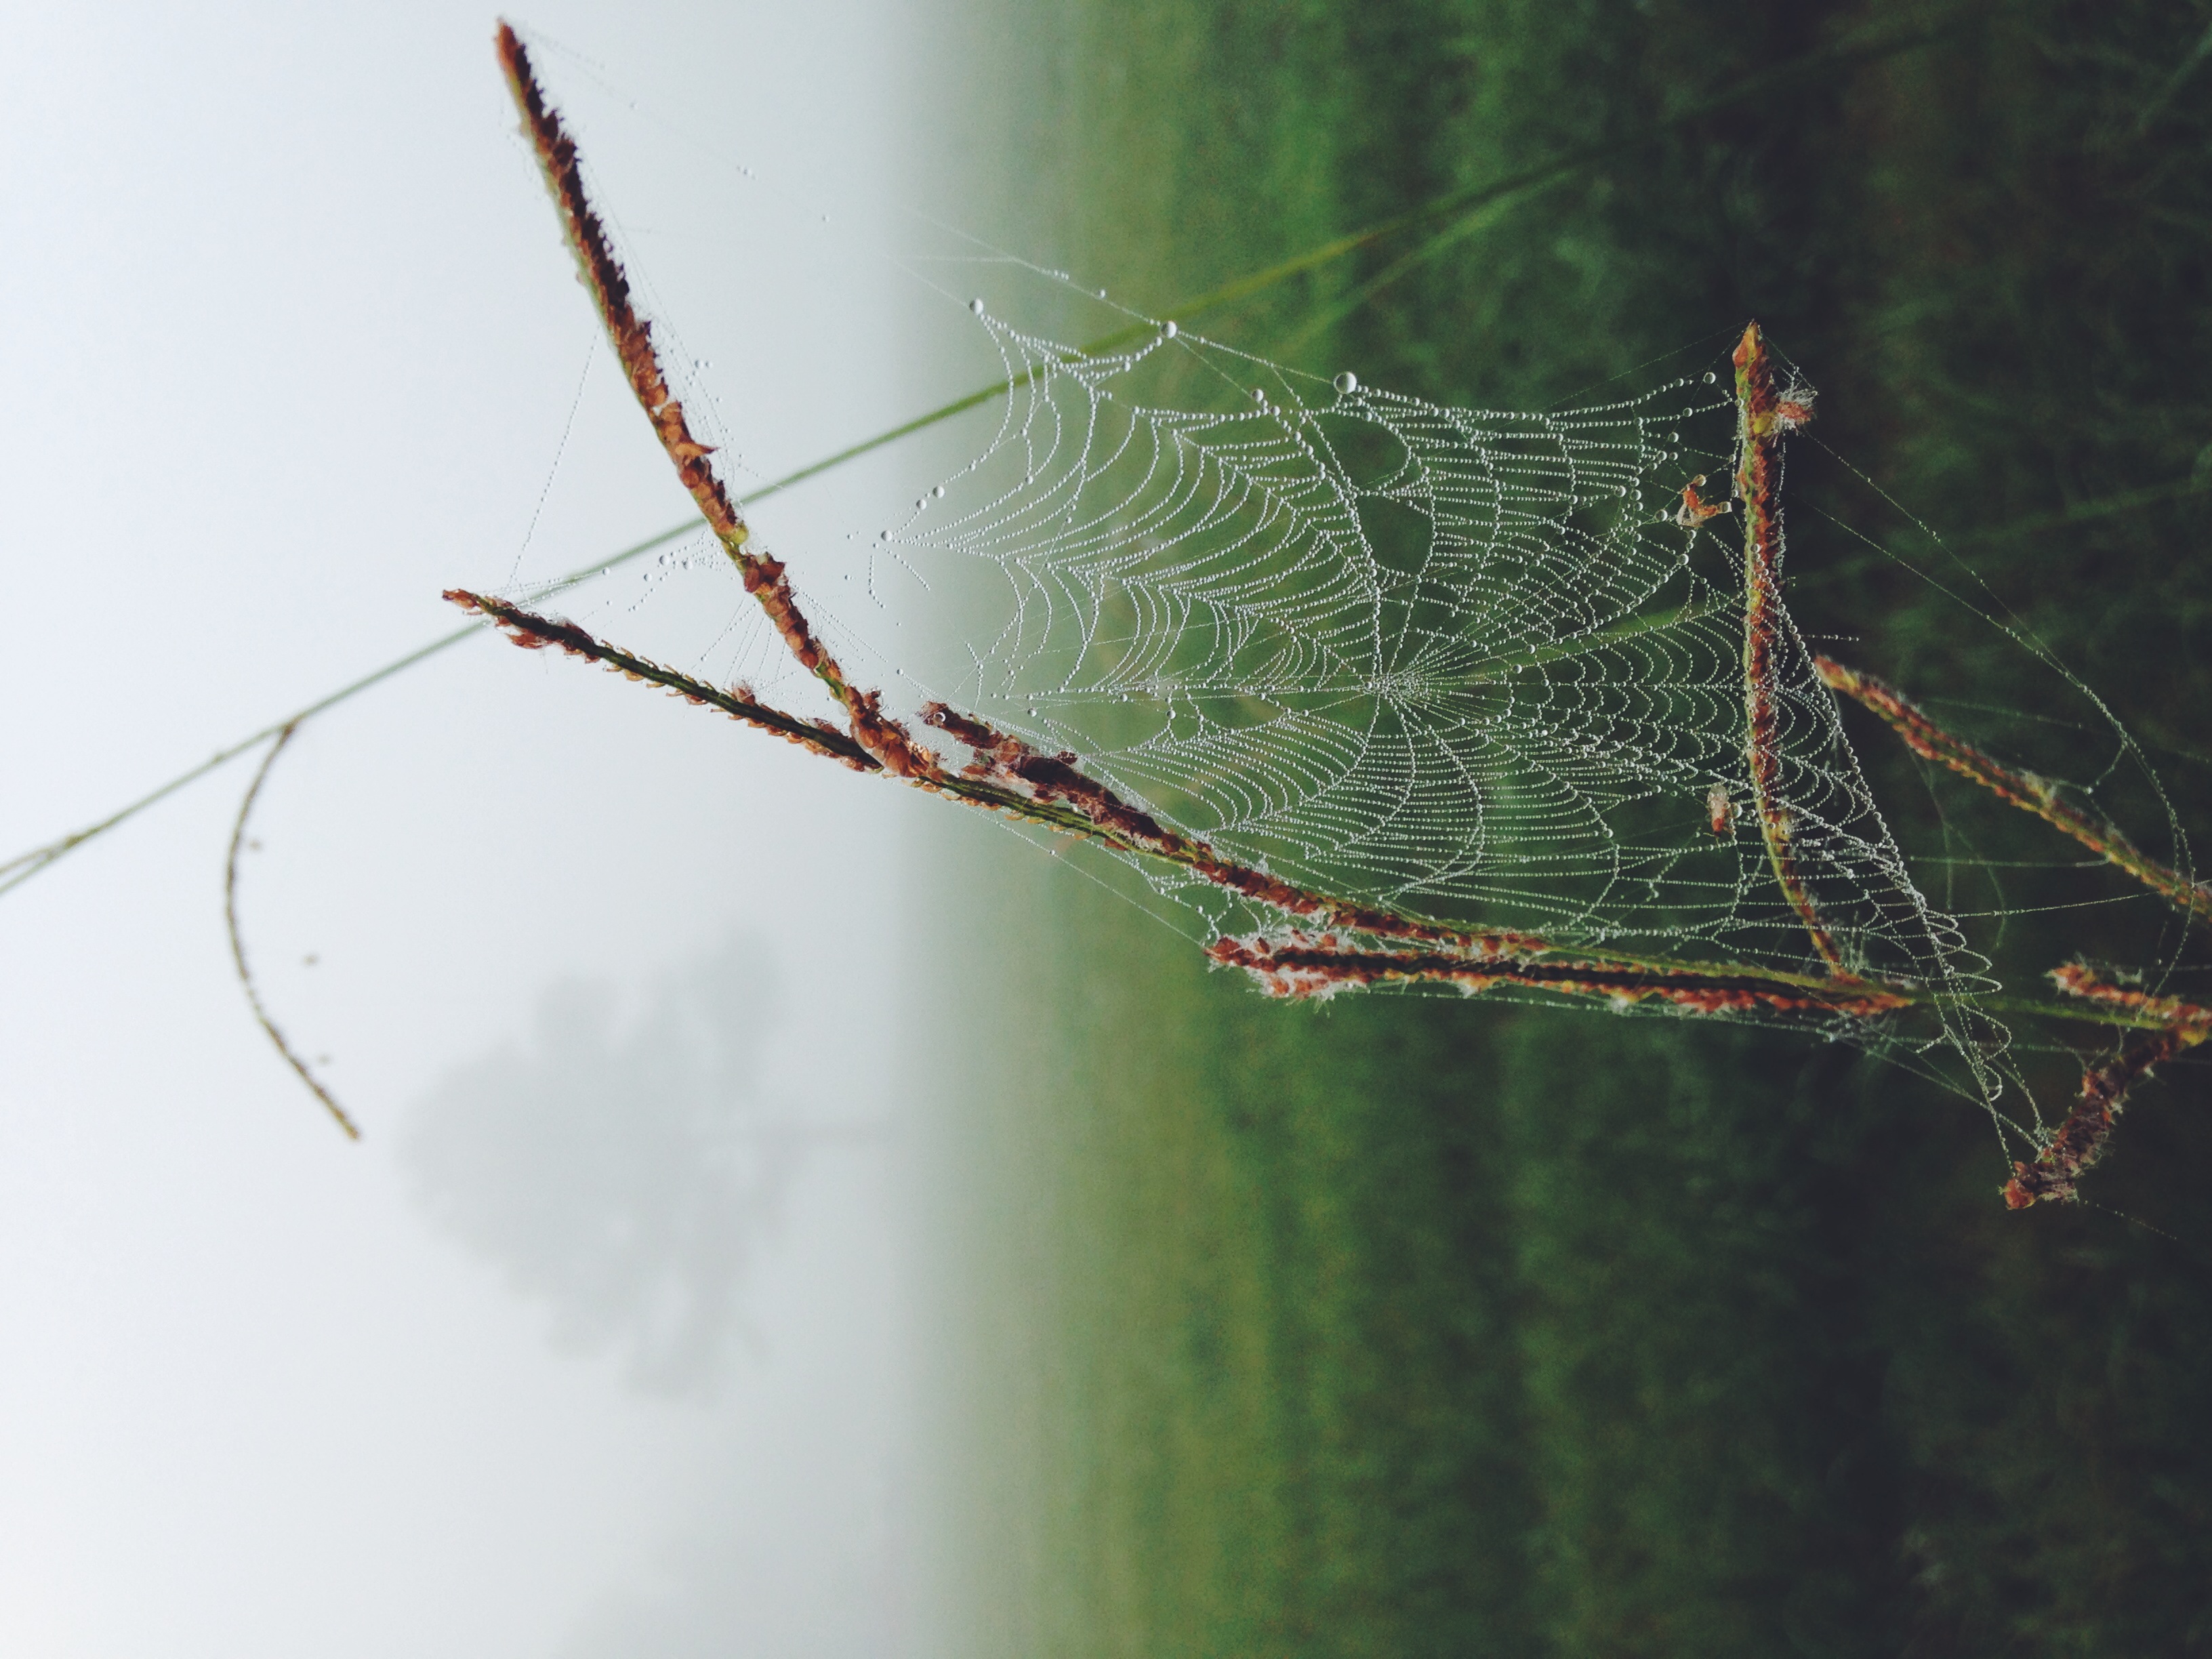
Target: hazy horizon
{"points": [[602, 1341]]}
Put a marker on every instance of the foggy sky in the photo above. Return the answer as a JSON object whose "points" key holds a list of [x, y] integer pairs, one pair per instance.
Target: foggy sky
{"points": [[571, 1355]]}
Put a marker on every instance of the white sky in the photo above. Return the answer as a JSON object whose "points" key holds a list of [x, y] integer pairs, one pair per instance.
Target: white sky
{"points": [[291, 345]]}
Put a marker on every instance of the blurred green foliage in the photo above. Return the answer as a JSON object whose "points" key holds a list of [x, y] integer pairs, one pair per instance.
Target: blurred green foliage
{"points": [[1420, 1328]]}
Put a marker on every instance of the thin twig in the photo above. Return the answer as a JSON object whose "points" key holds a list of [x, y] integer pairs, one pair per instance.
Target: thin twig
{"points": [[534, 633], [2025, 790], [764, 578], [2079, 979], [237, 942], [1762, 422], [2079, 1140], [1299, 966]]}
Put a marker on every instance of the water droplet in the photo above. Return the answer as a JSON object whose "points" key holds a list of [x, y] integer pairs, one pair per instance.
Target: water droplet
{"points": [[1347, 382], [939, 492], [1673, 437], [1259, 397], [1711, 377], [976, 306], [884, 537], [1169, 329]]}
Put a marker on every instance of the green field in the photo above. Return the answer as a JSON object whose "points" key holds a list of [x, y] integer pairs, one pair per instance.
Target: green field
{"points": [[1412, 1326]]}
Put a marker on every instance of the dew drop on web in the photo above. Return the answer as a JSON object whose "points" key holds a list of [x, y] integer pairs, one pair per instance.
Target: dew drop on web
{"points": [[1347, 382]]}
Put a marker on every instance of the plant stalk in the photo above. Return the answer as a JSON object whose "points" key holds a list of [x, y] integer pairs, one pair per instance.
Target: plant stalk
{"points": [[2025, 790], [1760, 426]]}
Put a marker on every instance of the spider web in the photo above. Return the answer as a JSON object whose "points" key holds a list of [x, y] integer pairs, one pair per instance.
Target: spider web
{"points": [[1462, 663]]}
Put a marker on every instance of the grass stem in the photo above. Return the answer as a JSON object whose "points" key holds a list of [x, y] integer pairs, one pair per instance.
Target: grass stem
{"points": [[2025, 790], [284, 735], [1301, 968], [1761, 424]]}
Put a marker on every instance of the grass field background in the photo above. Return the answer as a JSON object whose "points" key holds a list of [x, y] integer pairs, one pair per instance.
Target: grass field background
{"points": [[1412, 1326]]}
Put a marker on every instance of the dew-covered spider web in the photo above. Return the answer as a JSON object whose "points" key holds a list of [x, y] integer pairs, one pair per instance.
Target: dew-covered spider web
{"points": [[1471, 666], [1464, 664]]}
